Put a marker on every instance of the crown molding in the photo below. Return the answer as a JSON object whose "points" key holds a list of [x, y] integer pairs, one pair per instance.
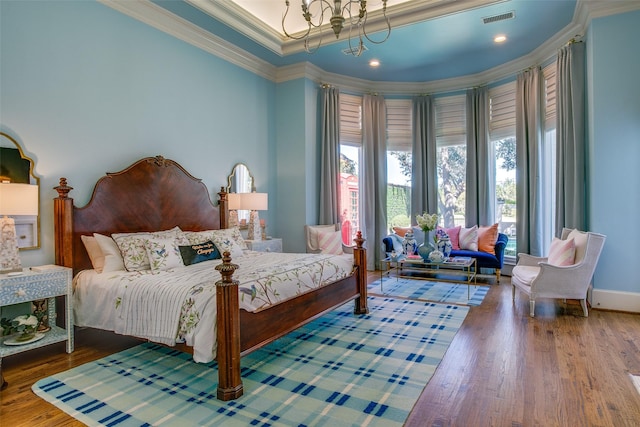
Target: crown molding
{"points": [[167, 22], [237, 18], [163, 20]]}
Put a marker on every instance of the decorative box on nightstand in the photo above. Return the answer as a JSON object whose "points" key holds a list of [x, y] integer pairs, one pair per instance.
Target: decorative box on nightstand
{"points": [[269, 245], [48, 282]]}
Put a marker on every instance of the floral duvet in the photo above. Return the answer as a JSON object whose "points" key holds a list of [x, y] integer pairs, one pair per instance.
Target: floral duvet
{"points": [[178, 305]]}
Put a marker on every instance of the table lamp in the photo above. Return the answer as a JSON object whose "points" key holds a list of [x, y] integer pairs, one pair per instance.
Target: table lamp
{"points": [[15, 199], [254, 202], [233, 202]]}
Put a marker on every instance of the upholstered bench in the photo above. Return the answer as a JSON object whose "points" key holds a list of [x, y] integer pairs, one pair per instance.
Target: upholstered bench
{"points": [[484, 259]]}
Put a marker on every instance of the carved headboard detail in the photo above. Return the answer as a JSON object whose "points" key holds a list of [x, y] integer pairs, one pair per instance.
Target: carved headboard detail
{"points": [[152, 194]]}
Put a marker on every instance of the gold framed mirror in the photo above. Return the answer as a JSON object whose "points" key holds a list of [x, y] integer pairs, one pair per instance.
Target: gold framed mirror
{"points": [[240, 180], [17, 168]]}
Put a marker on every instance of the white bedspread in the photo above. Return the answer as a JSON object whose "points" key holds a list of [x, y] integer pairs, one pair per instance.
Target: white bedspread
{"points": [[178, 305]]}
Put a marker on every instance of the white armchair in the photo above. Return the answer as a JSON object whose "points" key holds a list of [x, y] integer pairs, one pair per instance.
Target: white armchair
{"points": [[537, 278]]}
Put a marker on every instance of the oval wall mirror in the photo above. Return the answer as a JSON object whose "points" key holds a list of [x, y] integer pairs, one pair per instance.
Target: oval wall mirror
{"points": [[15, 167]]}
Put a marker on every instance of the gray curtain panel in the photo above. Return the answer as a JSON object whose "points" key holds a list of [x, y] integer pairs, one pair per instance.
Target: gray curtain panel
{"points": [[529, 134], [330, 157], [570, 138], [480, 182], [374, 177], [424, 173]]}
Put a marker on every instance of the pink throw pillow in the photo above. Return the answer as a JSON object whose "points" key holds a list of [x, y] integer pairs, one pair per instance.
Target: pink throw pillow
{"points": [[454, 236], [330, 242], [562, 252]]}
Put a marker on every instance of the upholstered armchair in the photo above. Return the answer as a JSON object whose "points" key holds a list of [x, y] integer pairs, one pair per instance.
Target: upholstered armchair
{"points": [[564, 276]]}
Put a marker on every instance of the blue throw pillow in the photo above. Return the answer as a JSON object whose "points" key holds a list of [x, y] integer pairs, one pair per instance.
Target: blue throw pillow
{"points": [[194, 254]]}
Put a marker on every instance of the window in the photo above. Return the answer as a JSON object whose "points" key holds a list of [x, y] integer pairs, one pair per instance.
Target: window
{"points": [[548, 170], [451, 159], [350, 155], [502, 133], [399, 160]]}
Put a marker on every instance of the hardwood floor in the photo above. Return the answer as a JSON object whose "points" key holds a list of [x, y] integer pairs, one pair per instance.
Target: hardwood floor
{"points": [[503, 368]]}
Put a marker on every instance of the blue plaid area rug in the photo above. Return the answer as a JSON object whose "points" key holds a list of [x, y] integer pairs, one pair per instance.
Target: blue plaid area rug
{"points": [[338, 370], [424, 290]]}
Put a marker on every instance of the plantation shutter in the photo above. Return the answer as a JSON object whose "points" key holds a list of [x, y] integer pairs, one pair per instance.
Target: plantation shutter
{"points": [[502, 111], [549, 73], [350, 119], [451, 116], [399, 124]]}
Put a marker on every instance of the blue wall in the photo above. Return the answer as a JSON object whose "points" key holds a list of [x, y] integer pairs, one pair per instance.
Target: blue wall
{"points": [[614, 146], [86, 90]]}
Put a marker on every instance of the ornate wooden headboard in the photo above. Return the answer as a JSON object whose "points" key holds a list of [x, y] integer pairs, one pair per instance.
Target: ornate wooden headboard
{"points": [[152, 194]]}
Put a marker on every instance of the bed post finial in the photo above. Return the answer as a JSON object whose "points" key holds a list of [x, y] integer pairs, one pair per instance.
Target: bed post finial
{"points": [[63, 189], [360, 260], [228, 332]]}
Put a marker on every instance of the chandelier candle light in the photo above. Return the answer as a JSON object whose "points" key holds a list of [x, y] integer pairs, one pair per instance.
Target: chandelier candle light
{"points": [[353, 13]]}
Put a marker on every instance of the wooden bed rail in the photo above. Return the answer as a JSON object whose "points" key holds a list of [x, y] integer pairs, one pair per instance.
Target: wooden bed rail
{"points": [[228, 319]]}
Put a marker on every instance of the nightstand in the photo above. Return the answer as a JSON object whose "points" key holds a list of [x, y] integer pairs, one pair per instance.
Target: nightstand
{"points": [[48, 283], [270, 245]]}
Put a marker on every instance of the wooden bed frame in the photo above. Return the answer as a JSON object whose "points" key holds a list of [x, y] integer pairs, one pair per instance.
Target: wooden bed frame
{"points": [[158, 194]]}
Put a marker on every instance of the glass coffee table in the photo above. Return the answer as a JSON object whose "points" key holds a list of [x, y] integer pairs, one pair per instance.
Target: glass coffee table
{"points": [[461, 270]]}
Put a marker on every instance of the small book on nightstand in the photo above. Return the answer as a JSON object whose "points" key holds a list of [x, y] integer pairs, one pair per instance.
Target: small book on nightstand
{"points": [[43, 268]]}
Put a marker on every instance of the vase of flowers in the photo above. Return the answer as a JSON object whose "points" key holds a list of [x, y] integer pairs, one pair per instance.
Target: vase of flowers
{"points": [[25, 325], [427, 222]]}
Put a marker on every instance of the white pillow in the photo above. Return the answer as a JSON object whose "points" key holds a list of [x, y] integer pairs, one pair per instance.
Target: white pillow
{"points": [[95, 253], [580, 239], [134, 253], [163, 253], [112, 257], [330, 242], [562, 252], [469, 238]]}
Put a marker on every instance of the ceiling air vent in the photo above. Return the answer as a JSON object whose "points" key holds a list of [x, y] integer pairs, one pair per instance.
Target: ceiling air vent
{"points": [[501, 17], [353, 50]]}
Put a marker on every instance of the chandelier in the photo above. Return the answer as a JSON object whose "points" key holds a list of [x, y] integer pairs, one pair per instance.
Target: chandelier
{"points": [[316, 12]]}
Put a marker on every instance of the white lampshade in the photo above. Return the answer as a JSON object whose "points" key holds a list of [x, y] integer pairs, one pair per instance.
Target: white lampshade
{"points": [[18, 199], [235, 201], [255, 201]]}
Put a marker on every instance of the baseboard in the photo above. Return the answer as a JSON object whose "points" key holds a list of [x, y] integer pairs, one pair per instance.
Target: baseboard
{"points": [[615, 300]]}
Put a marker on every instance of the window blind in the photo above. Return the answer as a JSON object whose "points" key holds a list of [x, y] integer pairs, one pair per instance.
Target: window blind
{"points": [[350, 119], [451, 128], [549, 73], [399, 124], [502, 111]]}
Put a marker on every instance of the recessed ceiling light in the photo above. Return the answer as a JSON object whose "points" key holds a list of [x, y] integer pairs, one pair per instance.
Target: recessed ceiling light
{"points": [[501, 38], [374, 63]]}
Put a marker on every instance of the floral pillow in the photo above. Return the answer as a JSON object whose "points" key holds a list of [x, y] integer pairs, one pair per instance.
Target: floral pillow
{"points": [[233, 233], [163, 253], [228, 240], [132, 248]]}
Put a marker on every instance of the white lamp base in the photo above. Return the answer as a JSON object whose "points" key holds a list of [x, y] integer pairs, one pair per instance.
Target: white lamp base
{"points": [[9, 255], [255, 232]]}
